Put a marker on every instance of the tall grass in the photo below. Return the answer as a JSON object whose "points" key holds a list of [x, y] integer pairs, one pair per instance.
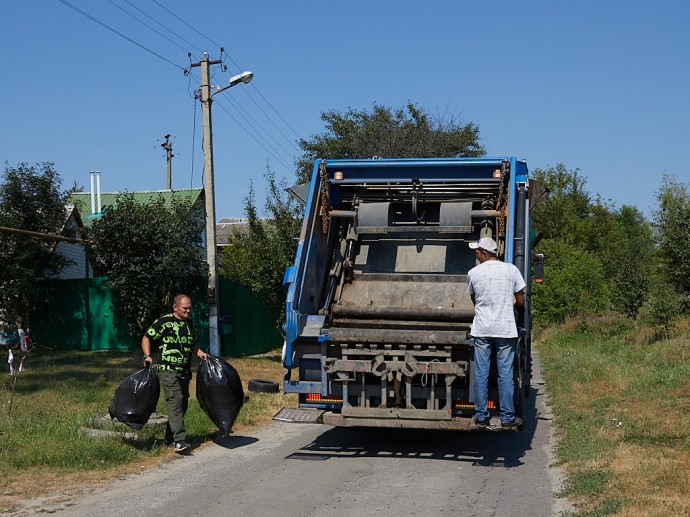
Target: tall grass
{"points": [[621, 402], [62, 392]]}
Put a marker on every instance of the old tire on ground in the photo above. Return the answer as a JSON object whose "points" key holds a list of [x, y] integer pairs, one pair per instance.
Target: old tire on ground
{"points": [[263, 386]]}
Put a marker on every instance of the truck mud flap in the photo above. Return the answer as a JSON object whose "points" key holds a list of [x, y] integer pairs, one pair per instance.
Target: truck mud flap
{"points": [[300, 416]]}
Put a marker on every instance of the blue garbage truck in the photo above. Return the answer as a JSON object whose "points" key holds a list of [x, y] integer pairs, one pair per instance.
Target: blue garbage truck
{"points": [[377, 312]]}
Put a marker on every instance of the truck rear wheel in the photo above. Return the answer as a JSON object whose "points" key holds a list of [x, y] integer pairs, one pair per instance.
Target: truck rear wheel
{"points": [[519, 370]]}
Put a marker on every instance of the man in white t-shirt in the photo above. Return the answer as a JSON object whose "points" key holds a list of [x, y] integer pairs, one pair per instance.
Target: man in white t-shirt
{"points": [[495, 287]]}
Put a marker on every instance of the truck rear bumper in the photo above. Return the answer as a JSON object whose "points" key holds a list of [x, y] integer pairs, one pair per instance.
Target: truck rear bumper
{"points": [[454, 424], [317, 416]]}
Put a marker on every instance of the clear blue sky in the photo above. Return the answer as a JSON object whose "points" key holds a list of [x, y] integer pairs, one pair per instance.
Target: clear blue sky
{"points": [[599, 86]]}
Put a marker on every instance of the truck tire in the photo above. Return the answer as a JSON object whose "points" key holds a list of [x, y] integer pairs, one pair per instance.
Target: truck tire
{"points": [[519, 377], [527, 382], [519, 395], [263, 386]]}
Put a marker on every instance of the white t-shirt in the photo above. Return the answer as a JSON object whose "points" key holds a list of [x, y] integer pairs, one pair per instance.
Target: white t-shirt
{"points": [[494, 284]]}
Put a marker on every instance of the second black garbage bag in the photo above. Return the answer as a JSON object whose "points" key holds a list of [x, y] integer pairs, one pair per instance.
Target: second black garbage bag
{"points": [[136, 398], [219, 392]]}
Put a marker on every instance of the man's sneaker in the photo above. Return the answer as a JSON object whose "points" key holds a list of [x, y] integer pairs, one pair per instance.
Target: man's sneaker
{"points": [[182, 447], [516, 422], [483, 424]]}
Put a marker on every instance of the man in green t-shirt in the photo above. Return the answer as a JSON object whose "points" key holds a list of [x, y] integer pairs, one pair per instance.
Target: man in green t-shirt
{"points": [[176, 341]]}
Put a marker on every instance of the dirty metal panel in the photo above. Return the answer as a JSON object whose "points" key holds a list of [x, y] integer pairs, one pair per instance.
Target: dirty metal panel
{"points": [[456, 424], [300, 416], [364, 335], [418, 291], [396, 413]]}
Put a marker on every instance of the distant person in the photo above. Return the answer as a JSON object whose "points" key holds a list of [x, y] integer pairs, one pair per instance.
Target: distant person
{"points": [[495, 287], [22, 338], [176, 341], [26, 341]]}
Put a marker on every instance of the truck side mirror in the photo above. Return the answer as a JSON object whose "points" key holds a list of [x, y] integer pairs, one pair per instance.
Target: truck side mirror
{"points": [[538, 261]]}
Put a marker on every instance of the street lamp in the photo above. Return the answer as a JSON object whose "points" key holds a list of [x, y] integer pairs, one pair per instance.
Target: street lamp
{"points": [[209, 194]]}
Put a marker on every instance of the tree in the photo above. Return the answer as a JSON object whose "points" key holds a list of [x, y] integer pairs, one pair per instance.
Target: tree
{"points": [[30, 199], [635, 261], [589, 230], [559, 214], [258, 255], [407, 132], [672, 228], [149, 252]]}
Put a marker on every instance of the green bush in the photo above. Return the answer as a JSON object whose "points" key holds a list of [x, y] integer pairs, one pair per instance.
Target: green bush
{"points": [[662, 305], [574, 284]]}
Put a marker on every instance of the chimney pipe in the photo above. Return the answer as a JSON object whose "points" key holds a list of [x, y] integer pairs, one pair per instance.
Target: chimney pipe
{"points": [[93, 199], [98, 189]]}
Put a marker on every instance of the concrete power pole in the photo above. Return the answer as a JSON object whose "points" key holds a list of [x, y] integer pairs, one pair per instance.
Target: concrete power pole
{"points": [[209, 199], [169, 156]]}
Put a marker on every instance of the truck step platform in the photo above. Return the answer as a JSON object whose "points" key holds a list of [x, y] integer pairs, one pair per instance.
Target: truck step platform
{"points": [[300, 416]]}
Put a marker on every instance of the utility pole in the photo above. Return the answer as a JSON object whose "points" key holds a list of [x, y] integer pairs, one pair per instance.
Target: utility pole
{"points": [[209, 201], [169, 156]]}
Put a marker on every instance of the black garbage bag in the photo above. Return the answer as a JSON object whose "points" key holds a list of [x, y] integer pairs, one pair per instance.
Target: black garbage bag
{"points": [[136, 398], [219, 392]]}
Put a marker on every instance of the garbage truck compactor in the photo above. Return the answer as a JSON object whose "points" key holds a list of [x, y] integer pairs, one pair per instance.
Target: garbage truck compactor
{"points": [[377, 313]]}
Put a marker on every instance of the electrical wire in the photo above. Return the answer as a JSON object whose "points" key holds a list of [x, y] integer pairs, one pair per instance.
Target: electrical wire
{"points": [[254, 137], [239, 70], [75, 8], [164, 26], [276, 112], [147, 25], [239, 107], [271, 121], [268, 144], [249, 133], [187, 24]]}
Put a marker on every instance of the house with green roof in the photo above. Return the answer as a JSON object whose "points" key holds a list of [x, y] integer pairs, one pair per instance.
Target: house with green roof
{"points": [[84, 201], [88, 322]]}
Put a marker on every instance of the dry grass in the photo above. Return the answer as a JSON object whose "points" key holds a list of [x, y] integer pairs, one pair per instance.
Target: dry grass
{"points": [[41, 485], [623, 412]]}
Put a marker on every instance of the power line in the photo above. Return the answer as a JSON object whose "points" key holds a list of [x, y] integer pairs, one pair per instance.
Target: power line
{"points": [[165, 27], [240, 69], [147, 25], [118, 33], [187, 24], [256, 131], [249, 133], [239, 107], [264, 98], [254, 138], [276, 112], [271, 121]]}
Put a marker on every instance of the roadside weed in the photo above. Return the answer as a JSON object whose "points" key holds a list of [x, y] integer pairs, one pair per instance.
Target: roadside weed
{"points": [[621, 408]]}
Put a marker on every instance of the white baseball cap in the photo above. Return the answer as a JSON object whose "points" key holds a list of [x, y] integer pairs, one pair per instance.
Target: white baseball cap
{"points": [[487, 244]]}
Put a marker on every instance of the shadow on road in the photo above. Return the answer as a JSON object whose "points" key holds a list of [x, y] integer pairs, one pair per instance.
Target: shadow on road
{"points": [[482, 448], [234, 442]]}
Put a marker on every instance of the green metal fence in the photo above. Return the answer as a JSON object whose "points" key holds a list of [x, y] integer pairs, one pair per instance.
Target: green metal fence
{"points": [[246, 327], [78, 315]]}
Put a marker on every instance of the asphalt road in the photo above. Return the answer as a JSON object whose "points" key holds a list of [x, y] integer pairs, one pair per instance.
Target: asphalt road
{"points": [[316, 470]]}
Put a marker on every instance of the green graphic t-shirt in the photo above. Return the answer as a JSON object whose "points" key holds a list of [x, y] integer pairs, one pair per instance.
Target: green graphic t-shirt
{"points": [[175, 340]]}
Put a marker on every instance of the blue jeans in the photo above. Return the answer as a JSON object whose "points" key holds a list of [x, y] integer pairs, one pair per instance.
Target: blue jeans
{"points": [[505, 355]]}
